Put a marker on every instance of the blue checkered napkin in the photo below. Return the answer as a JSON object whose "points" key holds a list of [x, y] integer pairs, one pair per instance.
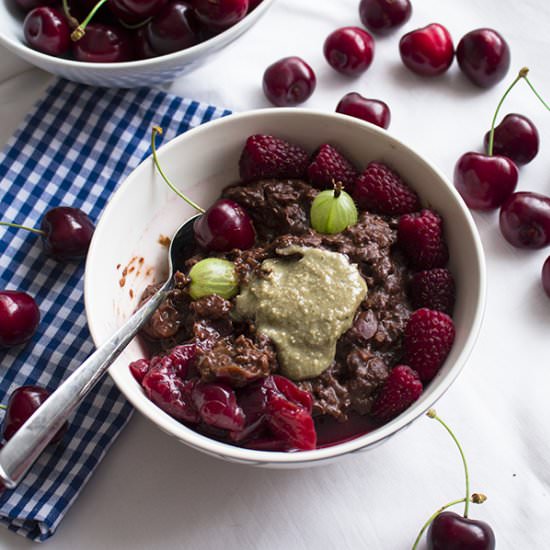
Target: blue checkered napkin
{"points": [[73, 149]]}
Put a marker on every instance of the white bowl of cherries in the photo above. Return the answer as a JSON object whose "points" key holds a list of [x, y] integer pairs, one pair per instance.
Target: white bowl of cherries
{"points": [[279, 187], [123, 43]]}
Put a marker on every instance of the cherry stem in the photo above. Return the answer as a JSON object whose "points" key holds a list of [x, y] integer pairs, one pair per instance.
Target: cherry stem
{"points": [[80, 31], [32, 229], [478, 498], [73, 22], [522, 74], [432, 414], [158, 130]]}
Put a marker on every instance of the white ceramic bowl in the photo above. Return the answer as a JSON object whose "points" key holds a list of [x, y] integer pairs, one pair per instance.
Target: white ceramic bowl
{"points": [[119, 75], [201, 162]]}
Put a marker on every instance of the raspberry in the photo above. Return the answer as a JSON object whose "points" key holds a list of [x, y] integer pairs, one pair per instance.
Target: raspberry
{"points": [[328, 166], [270, 157], [428, 339], [401, 389], [382, 191], [420, 236], [434, 289]]}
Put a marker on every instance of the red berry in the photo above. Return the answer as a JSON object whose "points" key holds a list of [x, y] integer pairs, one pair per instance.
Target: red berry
{"points": [[434, 289], [401, 389], [329, 166], [428, 51], [420, 236], [217, 406], [428, 339], [381, 190], [483, 56], [270, 157], [349, 50], [450, 531], [19, 318], [383, 16], [372, 110], [288, 82]]}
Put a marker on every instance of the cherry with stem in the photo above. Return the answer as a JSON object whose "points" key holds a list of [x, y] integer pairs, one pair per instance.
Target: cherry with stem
{"points": [[449, 530], [485, 182], [224, 226]]}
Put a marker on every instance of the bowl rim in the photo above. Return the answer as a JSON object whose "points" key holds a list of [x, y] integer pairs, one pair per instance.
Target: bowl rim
{"points": [[251, 456], [192, 52]]}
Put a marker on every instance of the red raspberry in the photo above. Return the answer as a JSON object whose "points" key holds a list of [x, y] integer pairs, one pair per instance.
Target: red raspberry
{"points": [[401, 389], [420, 236], [328, 167], [428, 339], [434, 289], [271, 157], [381, 190]]}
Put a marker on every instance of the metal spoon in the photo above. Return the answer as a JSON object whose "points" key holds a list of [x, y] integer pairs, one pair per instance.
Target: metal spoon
{"points": [[20, 452]]}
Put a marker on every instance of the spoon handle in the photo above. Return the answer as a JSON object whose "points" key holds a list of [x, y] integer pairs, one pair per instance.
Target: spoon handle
{"points": [[20, 452]]}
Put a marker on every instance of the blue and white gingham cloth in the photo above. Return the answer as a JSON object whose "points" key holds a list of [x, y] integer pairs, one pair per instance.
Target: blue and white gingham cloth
{"points": [[74, 149]]}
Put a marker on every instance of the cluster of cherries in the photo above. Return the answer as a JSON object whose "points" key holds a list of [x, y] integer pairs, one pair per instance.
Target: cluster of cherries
{"points": [[488, 181], [482, 54], [108, 31]]}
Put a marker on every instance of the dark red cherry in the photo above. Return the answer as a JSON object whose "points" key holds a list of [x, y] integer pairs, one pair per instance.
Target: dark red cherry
{"points": [[19, 317], [483, 181], [28, 5], [67, 233], [288, 82], [46, 30], [224, 226], [516, 137], [23, 402], [217, 406], [545, 276], [483, 56], [104, 44], [220, 13], [427, 51], [449, 531], [79, 9], [174, 28], [253, 4], [372, 110], [349, 50], [525, 220], [135, 11], [383, 16]]}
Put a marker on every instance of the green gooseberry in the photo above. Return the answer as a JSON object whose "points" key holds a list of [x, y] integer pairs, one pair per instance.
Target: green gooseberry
{"points": [[332, 211], [213, 276]]}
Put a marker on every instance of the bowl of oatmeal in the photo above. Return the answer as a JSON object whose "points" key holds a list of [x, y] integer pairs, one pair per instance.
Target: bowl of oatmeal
{"points": [[326, 347]]}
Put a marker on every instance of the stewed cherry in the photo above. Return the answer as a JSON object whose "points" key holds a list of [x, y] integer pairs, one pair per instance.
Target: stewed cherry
{"points": [[349, 50], [451, 531], [289, 81], [23, 402], [46, 30], [19, 318], [428, 51], [372, 110], [483, 56], [525, 220], [384, 16], [516, 137]]}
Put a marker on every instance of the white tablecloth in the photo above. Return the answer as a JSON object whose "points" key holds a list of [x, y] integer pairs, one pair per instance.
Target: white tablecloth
{"points": [[152, 492]]}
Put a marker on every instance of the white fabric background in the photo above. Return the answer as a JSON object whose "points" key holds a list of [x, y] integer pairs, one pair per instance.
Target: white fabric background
{"points": [[152, 492]]}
